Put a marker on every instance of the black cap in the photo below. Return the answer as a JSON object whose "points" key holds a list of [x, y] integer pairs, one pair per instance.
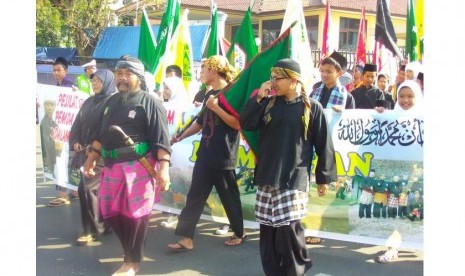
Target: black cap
{"points": [[370, 68], [62, 61], [340, 59], [288, 63]]}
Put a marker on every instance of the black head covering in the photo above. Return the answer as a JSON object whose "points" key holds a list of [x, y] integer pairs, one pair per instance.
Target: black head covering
{"points": [[135, 66], [62, 61], [288, 63], [340, 59], [420, 76], [370, 68], [108, 79]]}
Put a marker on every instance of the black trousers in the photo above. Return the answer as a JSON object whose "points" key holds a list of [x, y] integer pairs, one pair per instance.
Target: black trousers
{"points": [[364, 208], [204, 178], [132, 234], [379, 210], [92, 222], [283, 251]]}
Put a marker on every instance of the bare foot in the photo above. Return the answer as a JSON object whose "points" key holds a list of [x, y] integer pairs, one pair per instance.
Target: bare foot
{"points": [[182, 244], [127, 269]]}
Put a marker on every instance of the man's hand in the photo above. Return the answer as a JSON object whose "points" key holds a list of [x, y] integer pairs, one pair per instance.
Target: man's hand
{"points": [[264, 90], [212, 103]]}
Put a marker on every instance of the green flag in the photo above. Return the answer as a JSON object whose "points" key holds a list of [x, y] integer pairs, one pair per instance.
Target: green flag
{"points": [[411, 43], [257, 71], [243, 47], [147, 44], [168, 24], [213, 45]]}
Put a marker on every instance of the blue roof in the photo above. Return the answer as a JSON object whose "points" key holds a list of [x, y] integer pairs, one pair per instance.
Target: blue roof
{"points": [[117, 41]]}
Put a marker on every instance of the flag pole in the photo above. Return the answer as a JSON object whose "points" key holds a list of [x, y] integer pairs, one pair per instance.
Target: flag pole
{"points": [[252, 2]]}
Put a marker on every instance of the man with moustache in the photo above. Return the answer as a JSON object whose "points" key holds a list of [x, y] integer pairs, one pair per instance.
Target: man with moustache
{"points": [[127, 190]]}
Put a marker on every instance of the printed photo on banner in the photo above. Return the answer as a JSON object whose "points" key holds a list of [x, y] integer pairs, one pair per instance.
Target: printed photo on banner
{"points": [[57, 108]]}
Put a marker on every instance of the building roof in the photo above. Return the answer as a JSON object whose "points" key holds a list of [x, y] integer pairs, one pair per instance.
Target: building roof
{"points": [[397, 7], [117, 41]]}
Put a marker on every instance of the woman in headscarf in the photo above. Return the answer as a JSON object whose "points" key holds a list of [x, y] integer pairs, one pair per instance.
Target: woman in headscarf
{"points": [[409, 96], [84, 127]]}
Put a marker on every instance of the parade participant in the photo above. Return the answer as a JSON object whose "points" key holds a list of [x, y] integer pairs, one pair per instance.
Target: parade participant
{"points": [[85, 124], [60, 73], [368, 96], [382, 83], [127, 189], [291, 126], [331, 93], [83, 81], [400, 78], [216, 159]]}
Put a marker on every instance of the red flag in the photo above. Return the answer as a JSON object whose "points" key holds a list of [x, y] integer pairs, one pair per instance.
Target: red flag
{"points": [[361, 48], [378, 55], [325, 46]]}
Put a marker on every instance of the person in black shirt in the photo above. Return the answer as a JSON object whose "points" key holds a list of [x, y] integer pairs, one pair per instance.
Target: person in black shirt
{"points": [[292, 127], [216, 159], [127, 189], [368, 96]]}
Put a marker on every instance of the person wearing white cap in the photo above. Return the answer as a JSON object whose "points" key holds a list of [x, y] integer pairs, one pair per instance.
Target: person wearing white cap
{"points": [[83, 81]]}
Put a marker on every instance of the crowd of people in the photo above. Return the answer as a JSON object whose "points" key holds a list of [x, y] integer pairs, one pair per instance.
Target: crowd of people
{"points": [[123, 143]]}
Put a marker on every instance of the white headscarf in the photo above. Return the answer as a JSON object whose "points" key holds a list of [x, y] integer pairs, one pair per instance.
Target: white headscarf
{"points": [[416, 91], [415, 66]]}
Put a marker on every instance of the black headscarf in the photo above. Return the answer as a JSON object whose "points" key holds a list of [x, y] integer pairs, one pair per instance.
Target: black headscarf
{"points": [[109, 85]]}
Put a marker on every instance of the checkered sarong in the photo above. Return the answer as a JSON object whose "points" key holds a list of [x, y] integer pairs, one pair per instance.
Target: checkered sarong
{"points": [[276, 208], [393, 202], [127, 189]]}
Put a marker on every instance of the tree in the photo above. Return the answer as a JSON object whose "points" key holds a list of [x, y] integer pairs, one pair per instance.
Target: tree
{"points": [[48, 25], [76, 23]]}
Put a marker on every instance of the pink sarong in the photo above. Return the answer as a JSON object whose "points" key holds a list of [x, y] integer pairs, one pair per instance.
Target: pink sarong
{"points": [[127, 189]]}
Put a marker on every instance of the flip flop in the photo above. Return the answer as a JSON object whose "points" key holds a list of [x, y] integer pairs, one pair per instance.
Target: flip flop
{"points": [[178, 247], [234, 240], [58, 202], [312, 240]]}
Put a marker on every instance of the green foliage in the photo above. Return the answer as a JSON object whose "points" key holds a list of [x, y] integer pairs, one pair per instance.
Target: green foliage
{"points": [[78, 23], [48, 25]]}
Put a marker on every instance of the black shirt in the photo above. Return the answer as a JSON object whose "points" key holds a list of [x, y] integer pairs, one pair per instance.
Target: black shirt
{"points": [[368, 98], [140, 115], [219, 142], [284, 157]]}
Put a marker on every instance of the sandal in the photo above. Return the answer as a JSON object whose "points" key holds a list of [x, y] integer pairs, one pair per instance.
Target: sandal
{"points": [[235, 240], [58, 202], [178, 246], [83, 240], [312, 240], [387, 257]]}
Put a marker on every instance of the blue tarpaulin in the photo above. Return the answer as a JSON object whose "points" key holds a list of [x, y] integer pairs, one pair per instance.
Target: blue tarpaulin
{"points": [[49, 54], [117, 41]]}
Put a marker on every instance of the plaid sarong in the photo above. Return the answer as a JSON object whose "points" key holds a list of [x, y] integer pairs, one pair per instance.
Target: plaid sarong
{"points": [[393, 201], [127, 189], [276, 208]]}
